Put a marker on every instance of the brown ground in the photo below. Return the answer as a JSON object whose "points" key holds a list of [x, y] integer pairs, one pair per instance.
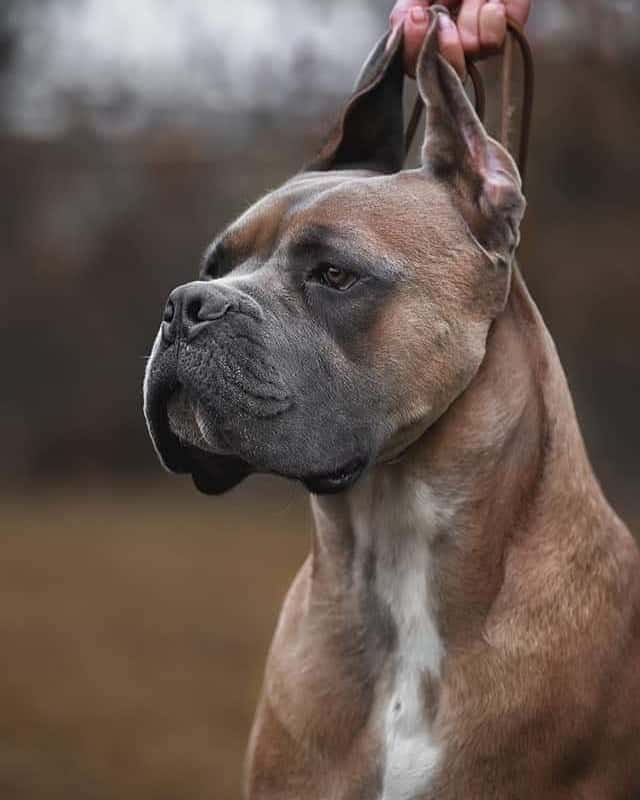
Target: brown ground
{"points": [[134, 624], [133, 631]]}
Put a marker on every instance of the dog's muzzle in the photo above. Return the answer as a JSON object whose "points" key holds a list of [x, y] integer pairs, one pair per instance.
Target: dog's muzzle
{"points": [[171, 391], [233, 388]]}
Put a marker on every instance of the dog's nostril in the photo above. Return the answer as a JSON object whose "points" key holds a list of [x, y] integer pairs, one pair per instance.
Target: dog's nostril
{"points": [[192, 310], [169, 312]]}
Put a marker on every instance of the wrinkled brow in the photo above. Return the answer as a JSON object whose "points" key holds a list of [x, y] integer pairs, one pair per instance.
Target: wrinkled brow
{"points": [[324, 241], [221, 255], [217, 259], [315, 237]]}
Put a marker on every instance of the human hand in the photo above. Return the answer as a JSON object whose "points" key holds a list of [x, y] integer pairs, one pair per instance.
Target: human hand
{"points": [[480, 27]]}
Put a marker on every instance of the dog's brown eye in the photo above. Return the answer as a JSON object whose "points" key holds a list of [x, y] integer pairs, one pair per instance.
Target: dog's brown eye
{"points": [[334, 277]]}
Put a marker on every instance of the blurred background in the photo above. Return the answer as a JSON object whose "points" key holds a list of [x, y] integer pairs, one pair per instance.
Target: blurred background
{"points": [[135, 614]]}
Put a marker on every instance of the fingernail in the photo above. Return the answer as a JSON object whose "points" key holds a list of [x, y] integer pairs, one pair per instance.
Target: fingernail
{"points": [[445, 21], [418, 15]]}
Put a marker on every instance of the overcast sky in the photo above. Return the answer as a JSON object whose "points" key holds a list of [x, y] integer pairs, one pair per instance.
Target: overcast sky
{"points": [[189, 56]]}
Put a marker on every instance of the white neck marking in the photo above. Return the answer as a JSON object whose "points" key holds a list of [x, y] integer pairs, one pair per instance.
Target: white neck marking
{"points": [[400, 520]]}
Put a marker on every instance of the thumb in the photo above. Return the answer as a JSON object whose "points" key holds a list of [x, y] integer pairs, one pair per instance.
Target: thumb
{"points": [[518, 10]]}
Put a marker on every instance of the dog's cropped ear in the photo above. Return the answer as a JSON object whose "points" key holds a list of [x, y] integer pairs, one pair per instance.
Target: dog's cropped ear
{"points": [[369, 133], [457, 150]]}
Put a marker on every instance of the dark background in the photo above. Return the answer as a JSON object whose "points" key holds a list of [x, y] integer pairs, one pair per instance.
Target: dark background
{"points": [[135, 614]]}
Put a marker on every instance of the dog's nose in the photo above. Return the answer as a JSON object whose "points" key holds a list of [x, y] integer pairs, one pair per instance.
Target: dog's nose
{"points": [[192, 307]]}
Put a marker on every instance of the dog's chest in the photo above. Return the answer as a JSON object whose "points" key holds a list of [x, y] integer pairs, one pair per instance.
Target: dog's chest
{"points": [[411, 752], [403, 583]]}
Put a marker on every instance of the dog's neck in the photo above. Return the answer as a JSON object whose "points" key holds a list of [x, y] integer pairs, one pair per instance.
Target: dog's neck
{"points": [[428, 535]]}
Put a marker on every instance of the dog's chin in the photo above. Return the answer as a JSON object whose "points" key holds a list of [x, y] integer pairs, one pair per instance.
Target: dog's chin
{"points": [[178, 443], [213, 475], [217, 474], [338, 481], [185, 446]]}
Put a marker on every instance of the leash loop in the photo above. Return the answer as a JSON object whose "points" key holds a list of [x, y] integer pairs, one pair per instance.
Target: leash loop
{"points": [[518, 35], [515, 34]]}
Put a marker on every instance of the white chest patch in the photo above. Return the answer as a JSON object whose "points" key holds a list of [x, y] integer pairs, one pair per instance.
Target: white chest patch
{"points": [[403, 536], [411, 752]]}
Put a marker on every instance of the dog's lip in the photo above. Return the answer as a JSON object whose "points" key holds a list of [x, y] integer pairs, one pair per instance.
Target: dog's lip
{"points": [[214, 472], [197, 440], [337, 481], [204, 463], [169, 448]]}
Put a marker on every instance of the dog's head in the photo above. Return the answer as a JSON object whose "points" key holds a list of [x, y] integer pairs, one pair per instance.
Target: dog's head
{"points": [[344, 312]]}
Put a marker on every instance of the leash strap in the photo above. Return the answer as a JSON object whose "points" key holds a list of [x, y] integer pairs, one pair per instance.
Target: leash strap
{"points": [[515, 34]]}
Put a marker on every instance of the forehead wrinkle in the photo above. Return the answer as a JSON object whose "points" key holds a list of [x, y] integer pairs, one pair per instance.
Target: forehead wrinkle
{"points": [[258, 229], [369, 211], [431, 230], [315, 205], [324, 240]]}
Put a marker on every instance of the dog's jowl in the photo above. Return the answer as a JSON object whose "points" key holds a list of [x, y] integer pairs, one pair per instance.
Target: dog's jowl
{"points": [[467, 624]]}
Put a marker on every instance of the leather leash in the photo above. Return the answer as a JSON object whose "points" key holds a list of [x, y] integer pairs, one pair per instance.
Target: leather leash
{"points": [[515, 34]]}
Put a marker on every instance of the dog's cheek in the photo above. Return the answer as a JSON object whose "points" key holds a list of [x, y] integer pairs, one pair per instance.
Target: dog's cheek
{"points": [[426, 352], [347, 321]]}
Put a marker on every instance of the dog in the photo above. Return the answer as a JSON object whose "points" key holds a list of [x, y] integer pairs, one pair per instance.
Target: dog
{"points": [[467, 624]]}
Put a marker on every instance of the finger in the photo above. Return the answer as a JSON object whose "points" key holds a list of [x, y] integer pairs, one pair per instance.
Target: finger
{"points": [[401, 10], [492, 25], [518, 10], [415, 29], [450, 44], [469, 25]]}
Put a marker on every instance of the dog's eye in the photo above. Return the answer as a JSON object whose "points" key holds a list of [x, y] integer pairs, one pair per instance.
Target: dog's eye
{"points": [[334, 277]]}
